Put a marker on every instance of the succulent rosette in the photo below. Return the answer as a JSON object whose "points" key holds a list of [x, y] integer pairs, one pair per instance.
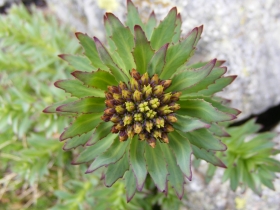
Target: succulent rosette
{"points": [[139, 108]]}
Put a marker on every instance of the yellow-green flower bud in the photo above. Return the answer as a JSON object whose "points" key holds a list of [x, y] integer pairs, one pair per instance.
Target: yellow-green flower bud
{"points": [[148, 126], [137, 96], [158, 90], [126, 94], [134, 84], [157, 134], [154, 103], [151, 114], [159, 122], [174, 106], [165, 109], [122, 86], [142, 136], [166, 97], [148, 90], [129, 106], [137, 128], [143, 107], [175, 96], [127, 120], [119, 109], [138, 117], [115, 118], [130, 132]]}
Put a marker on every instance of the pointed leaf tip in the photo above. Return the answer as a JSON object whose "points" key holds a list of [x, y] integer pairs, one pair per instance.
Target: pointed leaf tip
{"points": [[77, 34]]}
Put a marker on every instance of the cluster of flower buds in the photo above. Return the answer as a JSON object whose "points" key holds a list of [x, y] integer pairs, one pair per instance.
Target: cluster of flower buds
{"points": [[141, 108]]}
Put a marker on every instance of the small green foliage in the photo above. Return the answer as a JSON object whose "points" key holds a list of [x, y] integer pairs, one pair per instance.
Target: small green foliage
{"points": [[249, 158]]}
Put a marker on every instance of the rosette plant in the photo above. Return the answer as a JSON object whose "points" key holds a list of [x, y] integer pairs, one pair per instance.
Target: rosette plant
{"points": [[138, 108], [249, 158]]}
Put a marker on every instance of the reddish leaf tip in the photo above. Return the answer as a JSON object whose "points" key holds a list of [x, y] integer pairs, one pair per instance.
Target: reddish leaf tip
{"points": [[46, 110], [152, 14], [77, 34], [56, 84]]}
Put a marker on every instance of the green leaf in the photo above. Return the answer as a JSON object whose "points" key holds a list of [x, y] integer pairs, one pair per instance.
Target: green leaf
{"points": [[142, 51], [202, 138], [203, 84], [182, 151], [178, 54], [78, 62], [116, 171], [150, 25], [98, 79], [112, 155], [133, 17], [157, 62], [130, 184], [219, 84], [178, 31], [93, 151], [203, 110], [156, 166], [187, 124], [165, 31], [208, 156], [187, 78], [52, 108], [82, 124], [200, 64], [77, 89], [101, 131], [175, 176], [108, 32], [85, 105], [91, 51], [123, 40], [77, 141], [199, 32], [218, 130], [137, 161], [234, 181], [108, 61]]}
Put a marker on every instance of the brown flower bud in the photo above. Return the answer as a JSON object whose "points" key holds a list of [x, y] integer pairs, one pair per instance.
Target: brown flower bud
{"points": [[165, 138], [109, 111], [169, 128], [110, 103], [135, 74], [123, 135], [119, 125], [106, 118], [171, 118], [155, 80], [142, 136], [113, 89], [174, 106], [166, 83], [122, 86], [175, 96], [108, 95], [145, 78], [152, 142], [114, 129]]}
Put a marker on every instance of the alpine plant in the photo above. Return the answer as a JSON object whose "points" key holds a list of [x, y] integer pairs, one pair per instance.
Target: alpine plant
{"points": [[139, 108]]}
